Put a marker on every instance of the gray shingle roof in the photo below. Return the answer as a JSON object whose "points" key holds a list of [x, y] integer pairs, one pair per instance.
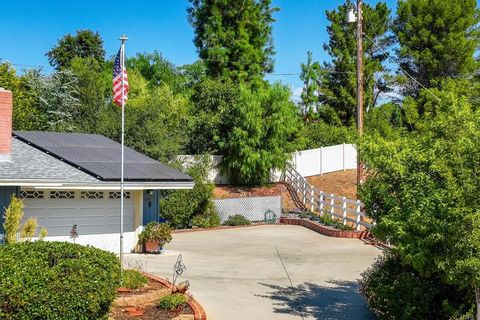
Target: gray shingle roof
{"points": [[80, 159], [100, 157], [28, 162]]}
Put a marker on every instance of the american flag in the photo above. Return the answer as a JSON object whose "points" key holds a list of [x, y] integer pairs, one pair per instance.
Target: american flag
{"points": [[117, 80]]}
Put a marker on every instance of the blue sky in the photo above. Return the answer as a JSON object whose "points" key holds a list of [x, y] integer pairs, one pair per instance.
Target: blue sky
{"points": [[31, 28]]}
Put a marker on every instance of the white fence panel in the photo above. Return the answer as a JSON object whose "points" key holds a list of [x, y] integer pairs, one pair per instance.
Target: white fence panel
{"points": [[332, 159], [350, 156], [306, 162]]}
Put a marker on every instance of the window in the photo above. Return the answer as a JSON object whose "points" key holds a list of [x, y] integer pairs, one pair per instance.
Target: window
{"points": [[60, 194], [116, 195], [31, 194], [91, 195]]}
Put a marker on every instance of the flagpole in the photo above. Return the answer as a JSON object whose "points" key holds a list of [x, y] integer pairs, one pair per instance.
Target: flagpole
{"points": [[123, 38]]}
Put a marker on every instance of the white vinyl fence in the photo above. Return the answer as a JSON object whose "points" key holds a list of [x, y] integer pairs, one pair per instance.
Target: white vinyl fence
{"points": [[306, 162], [325, 159], [342, 208]]}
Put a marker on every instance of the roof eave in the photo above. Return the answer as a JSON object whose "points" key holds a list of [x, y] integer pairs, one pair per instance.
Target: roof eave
{"points": [[127, 186]]}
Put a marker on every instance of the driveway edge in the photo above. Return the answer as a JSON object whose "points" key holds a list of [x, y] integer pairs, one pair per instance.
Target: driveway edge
{"points": [[326, 231], [198, 311]]}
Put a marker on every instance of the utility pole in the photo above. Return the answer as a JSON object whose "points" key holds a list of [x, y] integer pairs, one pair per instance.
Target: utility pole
{"points": [[359, 86]]}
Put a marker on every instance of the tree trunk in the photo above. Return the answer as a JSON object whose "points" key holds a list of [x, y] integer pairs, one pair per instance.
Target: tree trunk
{"points": [[477, 301]]}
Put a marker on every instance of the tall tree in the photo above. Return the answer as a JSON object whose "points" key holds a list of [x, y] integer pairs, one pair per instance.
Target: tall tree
{"points": [[437, 39], [422, 192], [234, 37], [339, 88], [85, 44], [91, 93], [25, 115], [311, 76], [56, 99], [155, 69], [258, 133]]}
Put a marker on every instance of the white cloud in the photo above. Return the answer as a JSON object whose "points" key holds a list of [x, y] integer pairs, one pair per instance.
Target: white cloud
{"points": [[295, 97]]}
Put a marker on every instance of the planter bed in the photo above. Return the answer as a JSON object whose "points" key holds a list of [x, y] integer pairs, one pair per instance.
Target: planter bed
{"points": [[325, 230], [254, 224], [145, 300]]}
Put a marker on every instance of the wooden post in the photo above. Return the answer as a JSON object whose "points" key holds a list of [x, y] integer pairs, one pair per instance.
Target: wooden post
{"points": [[359, 86], [344, 209]]}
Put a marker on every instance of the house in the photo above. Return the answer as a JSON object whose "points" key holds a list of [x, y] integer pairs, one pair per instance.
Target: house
{"points": [[69, 178]]}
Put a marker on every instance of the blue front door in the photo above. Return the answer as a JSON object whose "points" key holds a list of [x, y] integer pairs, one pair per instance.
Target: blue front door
{"points": [[5, 196], [151, 206]]}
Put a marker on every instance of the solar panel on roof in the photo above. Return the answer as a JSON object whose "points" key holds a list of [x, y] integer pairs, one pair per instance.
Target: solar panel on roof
{"points": [[100, 156]]}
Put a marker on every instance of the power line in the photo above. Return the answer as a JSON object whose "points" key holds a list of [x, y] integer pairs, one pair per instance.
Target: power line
{"points": [[400, 67]]}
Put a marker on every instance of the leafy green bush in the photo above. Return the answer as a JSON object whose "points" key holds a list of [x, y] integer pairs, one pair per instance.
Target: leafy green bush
{"points": [[133, 279], [180, 207], [258, 133], [320, 134], [237, 220], [396, 291], [326, 220], [56, 280], [206, 220], [172, 301], [156, 231]]}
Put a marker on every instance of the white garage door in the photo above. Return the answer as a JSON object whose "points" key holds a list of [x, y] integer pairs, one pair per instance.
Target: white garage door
{"points": [[96, 214]]}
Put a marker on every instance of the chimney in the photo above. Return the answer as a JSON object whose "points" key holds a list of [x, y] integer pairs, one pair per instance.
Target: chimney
{"points": [[6, 107]]}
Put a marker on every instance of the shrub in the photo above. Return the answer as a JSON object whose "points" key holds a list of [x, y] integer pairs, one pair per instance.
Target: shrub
{"points": [[320, 134], [13, 215], [156, 231], [396, 291], [172, 301], [209, 220], [180, 207], [133, 279], [56, 280], [329, 221], [28, 229], [43, 233], [237, 220], [325, 220]]}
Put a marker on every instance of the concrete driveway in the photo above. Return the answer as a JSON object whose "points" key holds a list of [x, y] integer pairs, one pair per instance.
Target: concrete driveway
{"points": [[269, 272]]}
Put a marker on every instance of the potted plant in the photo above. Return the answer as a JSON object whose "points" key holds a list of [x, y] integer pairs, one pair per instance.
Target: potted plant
{"points": [[155, 236], [182, 287]]}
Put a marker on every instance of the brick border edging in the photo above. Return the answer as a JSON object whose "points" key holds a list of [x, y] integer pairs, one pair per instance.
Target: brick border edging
{"points": [[198, 311], [327, 231], [256, 224]]}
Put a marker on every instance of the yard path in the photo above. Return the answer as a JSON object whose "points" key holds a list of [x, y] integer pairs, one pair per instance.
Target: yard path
{"points": [[269, 272]]}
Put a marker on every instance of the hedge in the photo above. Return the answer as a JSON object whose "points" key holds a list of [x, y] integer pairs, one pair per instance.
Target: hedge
{"points": [[56, 280]]}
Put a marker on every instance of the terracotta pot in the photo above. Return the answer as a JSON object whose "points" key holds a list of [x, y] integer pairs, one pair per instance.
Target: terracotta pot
{"points": [[135, 311], [152, 247]]}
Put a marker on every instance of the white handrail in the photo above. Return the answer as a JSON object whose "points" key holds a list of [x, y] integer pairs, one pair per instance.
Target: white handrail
{"points": [[317, 199]]}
